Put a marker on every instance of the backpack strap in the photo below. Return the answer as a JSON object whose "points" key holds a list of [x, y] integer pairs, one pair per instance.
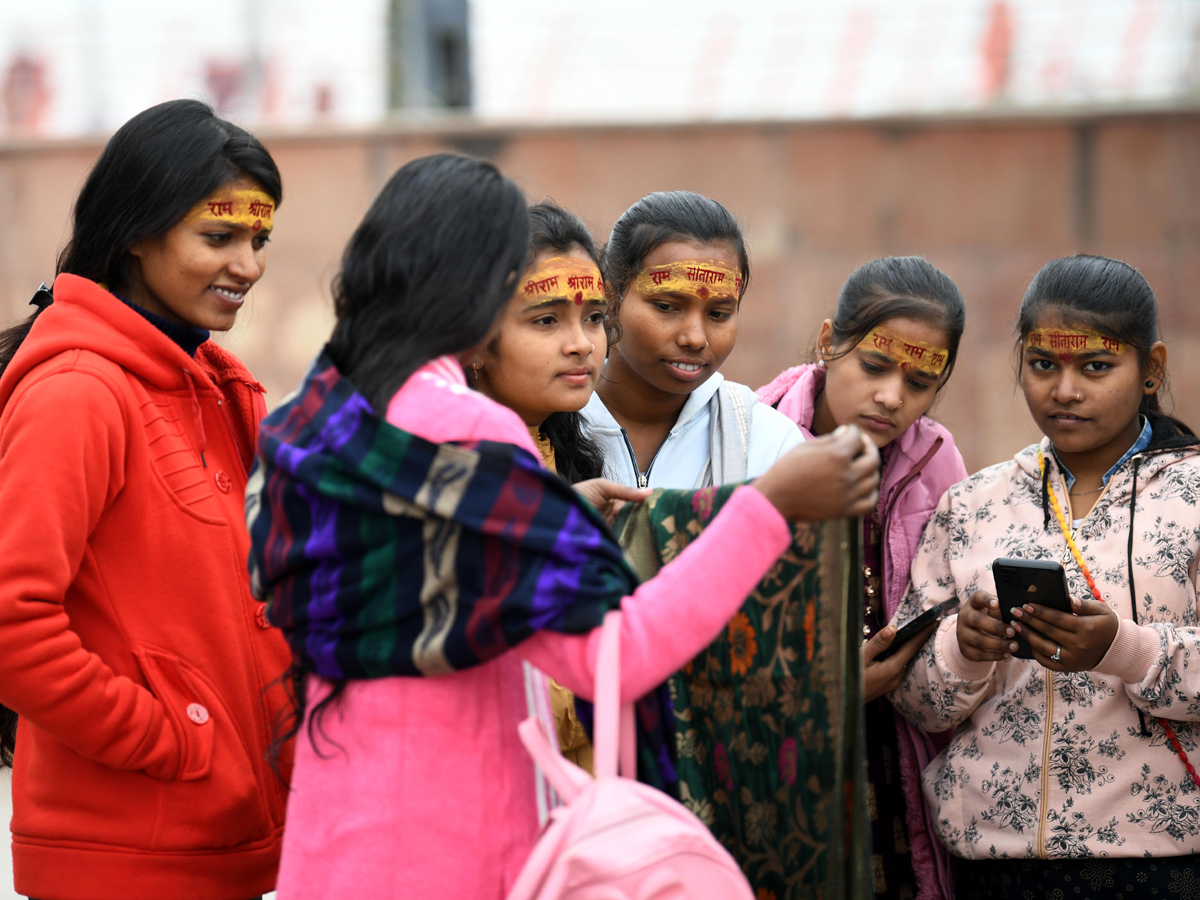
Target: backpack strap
{"points": [[566, 778], [614, 725]]}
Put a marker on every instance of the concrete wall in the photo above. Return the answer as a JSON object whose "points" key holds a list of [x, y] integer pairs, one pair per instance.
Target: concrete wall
{"points": [[987, 200]]}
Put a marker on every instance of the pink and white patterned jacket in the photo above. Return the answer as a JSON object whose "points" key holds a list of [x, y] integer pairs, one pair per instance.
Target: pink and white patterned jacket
{"points": [[1047, 764]]}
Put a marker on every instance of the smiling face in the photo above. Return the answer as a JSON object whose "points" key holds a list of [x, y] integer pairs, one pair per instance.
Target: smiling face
{"points": [[676, 334], [199, 272], [1083, 388], [877, 384], [547, 355]]}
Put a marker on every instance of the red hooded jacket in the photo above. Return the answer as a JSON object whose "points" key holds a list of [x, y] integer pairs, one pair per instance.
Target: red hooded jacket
{"points": [[139, 664]]}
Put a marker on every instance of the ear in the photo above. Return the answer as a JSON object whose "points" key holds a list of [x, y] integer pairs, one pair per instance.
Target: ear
{"points": [[825, 341], [1157, 369]]}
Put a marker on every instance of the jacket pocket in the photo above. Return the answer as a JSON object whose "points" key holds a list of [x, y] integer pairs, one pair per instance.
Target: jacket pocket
{"points": [[216, 799]]}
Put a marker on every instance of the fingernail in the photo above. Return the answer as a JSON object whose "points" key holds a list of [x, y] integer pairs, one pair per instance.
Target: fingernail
{"points": [[1028, 609], [1018, 612], [1013, 646]]}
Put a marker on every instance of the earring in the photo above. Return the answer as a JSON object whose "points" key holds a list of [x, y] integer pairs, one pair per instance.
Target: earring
{"points": [[1149, 382], [476, 365], [821, 363]]}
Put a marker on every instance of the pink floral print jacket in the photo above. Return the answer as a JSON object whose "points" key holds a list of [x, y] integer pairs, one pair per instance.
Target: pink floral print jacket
{"points": [[1049, 764]]}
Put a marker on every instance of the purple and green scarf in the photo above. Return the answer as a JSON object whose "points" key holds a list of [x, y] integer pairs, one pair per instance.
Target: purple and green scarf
{"points": [[380, 553], [385, 554]]}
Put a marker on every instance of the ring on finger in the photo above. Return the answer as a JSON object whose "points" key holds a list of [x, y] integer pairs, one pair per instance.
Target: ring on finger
{"points": [[1057, 657]]}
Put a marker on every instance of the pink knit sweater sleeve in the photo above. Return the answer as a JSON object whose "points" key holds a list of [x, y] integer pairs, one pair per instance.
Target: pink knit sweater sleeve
{"points": [[676, 614]]}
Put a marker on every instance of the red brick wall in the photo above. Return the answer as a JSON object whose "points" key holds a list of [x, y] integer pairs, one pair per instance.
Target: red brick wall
{"points": [[988, 201]]}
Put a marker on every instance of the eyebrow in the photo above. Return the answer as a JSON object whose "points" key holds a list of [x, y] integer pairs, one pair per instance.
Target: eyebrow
{"points": [[1057, 357], [561, 301]]}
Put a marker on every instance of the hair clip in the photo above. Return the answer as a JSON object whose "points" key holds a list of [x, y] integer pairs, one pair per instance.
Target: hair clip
{"points": [[42, 298]]}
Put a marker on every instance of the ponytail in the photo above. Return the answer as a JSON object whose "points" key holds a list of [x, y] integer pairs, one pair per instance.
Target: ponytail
{"points": [[13, 337]]}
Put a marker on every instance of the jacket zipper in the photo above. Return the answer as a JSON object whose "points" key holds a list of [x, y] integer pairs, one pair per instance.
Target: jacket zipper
{"points": [[642, 480], [1044, 804]]}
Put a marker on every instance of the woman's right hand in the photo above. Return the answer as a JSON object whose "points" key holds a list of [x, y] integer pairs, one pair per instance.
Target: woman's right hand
{"points": [[982, 635], [831, 477]]}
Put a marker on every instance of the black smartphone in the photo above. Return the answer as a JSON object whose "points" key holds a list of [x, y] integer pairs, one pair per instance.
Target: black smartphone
{"points": [[916, 625], [1021, 581]]}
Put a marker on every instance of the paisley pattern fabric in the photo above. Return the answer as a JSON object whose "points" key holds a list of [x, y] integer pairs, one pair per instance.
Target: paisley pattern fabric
{"points": [[769, 725]]}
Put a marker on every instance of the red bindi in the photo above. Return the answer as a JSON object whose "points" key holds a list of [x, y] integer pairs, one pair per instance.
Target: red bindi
{"points": [[579, 298]]}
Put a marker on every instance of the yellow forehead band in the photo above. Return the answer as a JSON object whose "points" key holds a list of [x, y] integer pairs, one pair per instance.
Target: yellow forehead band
{"points": [[699, 279], [1065, 343], [559, 278], [908, 355], [251, 208]]}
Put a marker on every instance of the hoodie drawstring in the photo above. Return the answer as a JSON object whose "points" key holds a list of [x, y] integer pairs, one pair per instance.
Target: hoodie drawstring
{"points": [[201, 440], [1045, 492], [1133, 604]]}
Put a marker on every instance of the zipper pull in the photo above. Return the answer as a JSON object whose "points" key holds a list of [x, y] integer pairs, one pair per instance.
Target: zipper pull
{"points": [[642, 479]]}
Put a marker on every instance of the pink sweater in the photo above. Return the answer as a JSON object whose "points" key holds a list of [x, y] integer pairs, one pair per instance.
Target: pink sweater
{"points": [[420, 787]]}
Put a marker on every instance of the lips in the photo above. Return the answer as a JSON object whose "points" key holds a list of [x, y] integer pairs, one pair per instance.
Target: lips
{"points": [[878, 423], [686, 369], [576, 376], [230, 295]]}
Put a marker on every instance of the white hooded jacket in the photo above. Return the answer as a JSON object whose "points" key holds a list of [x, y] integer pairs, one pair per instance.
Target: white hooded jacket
{"points": [[685, 460]]}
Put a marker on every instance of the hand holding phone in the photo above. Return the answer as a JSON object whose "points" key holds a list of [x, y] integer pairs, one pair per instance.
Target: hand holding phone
{"points": [[916, 625], [1021, 581]]}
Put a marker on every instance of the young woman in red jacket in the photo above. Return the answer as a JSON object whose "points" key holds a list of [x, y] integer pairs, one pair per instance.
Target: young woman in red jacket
{"points": [[134, 663]]}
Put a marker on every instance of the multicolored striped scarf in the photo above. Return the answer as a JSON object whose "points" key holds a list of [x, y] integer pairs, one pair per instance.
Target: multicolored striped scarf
{"points": [[382, 554]]}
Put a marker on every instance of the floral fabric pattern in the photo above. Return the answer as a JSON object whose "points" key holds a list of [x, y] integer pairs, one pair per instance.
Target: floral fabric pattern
{"points": [[1053, 763], [769, 716]]}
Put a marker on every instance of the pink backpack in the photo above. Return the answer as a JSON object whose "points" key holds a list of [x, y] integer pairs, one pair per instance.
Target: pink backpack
{"points": [[617, 839]]}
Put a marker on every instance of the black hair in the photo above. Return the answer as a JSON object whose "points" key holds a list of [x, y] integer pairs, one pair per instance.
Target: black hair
{"points": [[153, 171], [656, 219], [576, 456], [427, 271], [894, 286], [1106, 295]]}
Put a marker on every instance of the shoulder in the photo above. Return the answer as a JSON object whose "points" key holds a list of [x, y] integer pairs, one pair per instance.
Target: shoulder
{"points": [[76, 379], [441, 409]]}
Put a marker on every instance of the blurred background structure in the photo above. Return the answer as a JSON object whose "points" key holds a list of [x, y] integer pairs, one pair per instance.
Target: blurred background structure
{"points": [[987, 135]]}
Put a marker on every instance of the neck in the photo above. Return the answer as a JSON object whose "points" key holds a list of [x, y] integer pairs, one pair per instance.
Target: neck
{"points": [[631, 400], [823, 421], [1089, 466]]}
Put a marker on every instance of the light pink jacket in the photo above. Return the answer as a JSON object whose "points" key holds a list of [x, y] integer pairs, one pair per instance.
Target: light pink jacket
{"points": [[420, 787], [922, 463], [1049, 764]]}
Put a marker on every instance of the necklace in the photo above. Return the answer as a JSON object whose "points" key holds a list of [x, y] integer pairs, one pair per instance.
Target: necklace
{"points": [[1085, 493]]}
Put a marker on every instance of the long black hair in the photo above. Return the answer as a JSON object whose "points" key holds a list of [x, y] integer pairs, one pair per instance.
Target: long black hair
{"points": [[427, 271], [1107, 295], [899, 286], [576, 456], [656, 219], [153, 171]]}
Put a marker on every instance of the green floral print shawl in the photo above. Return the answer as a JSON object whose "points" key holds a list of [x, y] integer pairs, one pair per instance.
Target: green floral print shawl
{"points": [[769, 717]]}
